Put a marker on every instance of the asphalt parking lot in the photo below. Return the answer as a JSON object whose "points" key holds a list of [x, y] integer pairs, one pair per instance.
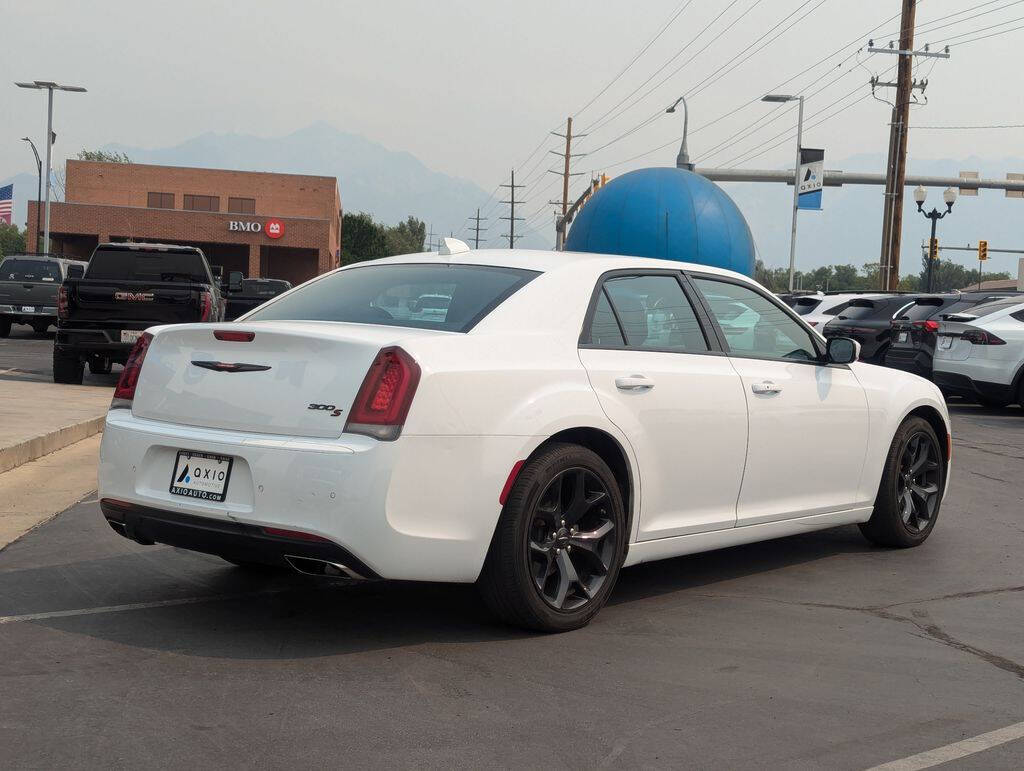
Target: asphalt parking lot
{"points": [[27, 356], [817, 651]]}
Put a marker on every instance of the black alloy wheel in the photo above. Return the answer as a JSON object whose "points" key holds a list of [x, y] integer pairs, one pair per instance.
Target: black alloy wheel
{"points": [[917, 485], [572, 539], [559, 543], [910, 492]]}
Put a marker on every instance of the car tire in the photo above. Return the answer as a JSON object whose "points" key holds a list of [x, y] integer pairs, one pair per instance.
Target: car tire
{"points": [[100, 366], [910, 493], [559, 544], [67, 368], [41, 328], [5, 326]]}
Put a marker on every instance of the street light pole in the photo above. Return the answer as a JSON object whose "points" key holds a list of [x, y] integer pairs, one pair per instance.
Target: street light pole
{"points": [[39, 188], [49, 86], [796, 174], [683, 159], [949, 197]]}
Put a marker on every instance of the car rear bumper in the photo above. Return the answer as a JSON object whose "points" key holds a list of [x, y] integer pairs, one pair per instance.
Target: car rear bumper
{"points": [[419, 508], [93, 341], [910, 360], [18, 311], [956, 384]]}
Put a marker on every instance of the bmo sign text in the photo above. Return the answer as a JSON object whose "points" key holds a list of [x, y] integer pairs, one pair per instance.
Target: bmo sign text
{"points": [[245, 227], [273, 229]]}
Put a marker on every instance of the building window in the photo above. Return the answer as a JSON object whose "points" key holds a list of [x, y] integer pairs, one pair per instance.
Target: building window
{"points": [[202, 202], [160, 200], [242, 205]]}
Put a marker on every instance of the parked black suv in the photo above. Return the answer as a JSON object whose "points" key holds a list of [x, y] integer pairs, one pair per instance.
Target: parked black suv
{"points": [[869, 322], [244, 294], [127, 288]]}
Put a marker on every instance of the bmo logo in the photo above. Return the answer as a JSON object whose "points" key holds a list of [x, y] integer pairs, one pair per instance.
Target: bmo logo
{"points": [[274, 228]]}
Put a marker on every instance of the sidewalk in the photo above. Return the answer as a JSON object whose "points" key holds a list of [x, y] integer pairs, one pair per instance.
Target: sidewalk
{"points": [[39, 418]]}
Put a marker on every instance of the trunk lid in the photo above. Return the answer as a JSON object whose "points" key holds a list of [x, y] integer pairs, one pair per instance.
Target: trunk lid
{"points": [[313, 372], [37, 294], [950, 345]]}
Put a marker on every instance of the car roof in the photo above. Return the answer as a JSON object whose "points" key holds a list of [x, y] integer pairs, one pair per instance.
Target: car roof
{"points": [[547, 261]]}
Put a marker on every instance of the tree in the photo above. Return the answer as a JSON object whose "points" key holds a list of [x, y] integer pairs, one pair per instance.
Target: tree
{"points": [[364, 239], [104, 156], [12, 240]]}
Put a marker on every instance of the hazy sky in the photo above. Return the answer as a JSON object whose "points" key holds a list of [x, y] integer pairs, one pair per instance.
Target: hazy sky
{"points": [[472, 87]]}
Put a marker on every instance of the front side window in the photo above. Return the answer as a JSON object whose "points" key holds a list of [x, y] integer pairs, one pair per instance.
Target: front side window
{"points": [[649, 312], [754, 325], [452, 298]]}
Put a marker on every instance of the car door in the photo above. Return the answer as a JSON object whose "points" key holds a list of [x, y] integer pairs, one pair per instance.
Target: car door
{"points": [[808, 420], [671, 390]]}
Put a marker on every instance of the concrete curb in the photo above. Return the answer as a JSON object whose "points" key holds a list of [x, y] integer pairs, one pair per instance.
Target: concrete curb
{"points": [[38, 446]]}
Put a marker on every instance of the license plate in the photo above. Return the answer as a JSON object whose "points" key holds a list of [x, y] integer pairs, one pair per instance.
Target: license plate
{"points": [[902, 337], [945, 343], [201, 475], [130, 335], [28, 309]]}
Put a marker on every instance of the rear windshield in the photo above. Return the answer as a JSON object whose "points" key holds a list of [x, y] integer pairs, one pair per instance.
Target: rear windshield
{"points": [[133, 265], [859, 309], [15, 269], [452, 298], [805, 305], [264, 288], [992, 307], [922, 309]]}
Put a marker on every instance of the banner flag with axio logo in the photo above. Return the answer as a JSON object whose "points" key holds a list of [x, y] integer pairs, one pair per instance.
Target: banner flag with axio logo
{"points": [[812, 177]]}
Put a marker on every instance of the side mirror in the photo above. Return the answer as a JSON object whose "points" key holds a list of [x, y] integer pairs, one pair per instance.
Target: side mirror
{"points": [[842, 350], [75, 271], [235, 281]]}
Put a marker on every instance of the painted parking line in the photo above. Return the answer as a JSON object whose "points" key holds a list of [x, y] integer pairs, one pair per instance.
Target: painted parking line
{"points": [[133, 606], [956, 750]]}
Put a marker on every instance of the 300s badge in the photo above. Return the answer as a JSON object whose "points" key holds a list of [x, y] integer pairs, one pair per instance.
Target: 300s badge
{"points": [[335, 412]]}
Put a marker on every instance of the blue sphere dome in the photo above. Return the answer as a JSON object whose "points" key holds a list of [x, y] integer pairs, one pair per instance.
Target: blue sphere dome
{"points": [[667, 213]]}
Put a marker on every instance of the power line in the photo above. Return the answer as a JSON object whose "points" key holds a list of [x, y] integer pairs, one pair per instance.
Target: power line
{"points": [[981, 29], [986, 37], [682, 7], [970, 128]]}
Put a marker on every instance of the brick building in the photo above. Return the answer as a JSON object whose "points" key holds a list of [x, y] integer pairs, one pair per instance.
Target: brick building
{"points": [[270, 225]]}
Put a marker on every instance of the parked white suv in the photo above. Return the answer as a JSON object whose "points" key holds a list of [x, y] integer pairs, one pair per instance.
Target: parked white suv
{"points": [[980, 353], [818, 310]]}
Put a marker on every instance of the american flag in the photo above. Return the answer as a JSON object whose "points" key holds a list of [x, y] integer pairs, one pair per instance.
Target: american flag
{"points": [[6, 203]]}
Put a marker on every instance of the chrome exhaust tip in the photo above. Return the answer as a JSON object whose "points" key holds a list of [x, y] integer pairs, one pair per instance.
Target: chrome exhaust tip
{"points": [[310, 566]]}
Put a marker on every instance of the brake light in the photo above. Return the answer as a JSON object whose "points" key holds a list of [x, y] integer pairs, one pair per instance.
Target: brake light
{"points": [[929, 325], [981, 337], [205, 305], [125, 391], [62, 302], [234, 337], [384, 398]]}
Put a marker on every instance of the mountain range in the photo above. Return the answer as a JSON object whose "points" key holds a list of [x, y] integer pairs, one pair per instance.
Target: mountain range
{"points": [[392, 184]]}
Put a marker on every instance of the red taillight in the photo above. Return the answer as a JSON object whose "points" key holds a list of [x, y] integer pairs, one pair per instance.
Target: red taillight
{"points": [[125, 391], [929, 325], [385, 396], [981, 337], [62, 302], [234, 337], [205, 306]]}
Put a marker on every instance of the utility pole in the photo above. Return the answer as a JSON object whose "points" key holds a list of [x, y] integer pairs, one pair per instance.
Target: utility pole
{"points": [[512, 218], [896, 162], [430, 240], [565, 173], [476, 228]]}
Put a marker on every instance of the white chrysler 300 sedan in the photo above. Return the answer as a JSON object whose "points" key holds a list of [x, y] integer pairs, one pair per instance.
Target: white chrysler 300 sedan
{"points": [[558, 417]]}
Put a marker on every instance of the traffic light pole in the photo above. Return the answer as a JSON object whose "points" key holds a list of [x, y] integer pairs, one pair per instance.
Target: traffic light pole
{"points": [[933, 250]]}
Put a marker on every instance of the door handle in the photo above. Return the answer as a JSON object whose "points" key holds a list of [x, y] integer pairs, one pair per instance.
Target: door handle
{"points": [[633, 383], [766, 387]]}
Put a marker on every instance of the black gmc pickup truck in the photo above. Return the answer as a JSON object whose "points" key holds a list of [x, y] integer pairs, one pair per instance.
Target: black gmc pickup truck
{"points": [[126, 289]]}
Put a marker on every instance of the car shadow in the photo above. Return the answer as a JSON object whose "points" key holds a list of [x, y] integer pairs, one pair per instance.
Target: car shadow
{"points": [[281, 616]]}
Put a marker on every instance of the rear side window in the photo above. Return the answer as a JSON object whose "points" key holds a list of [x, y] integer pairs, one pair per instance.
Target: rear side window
{"points": [[14, 269], [835, 309], [452, 298], [653, 312], [137, 265]]}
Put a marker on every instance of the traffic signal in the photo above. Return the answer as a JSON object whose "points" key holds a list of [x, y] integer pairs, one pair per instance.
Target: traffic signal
{"points": [[983, 250], [933, 249]]}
